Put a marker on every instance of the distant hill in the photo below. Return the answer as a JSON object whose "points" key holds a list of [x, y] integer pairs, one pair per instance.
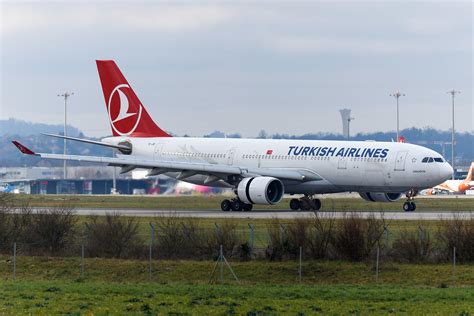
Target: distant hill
{"points": [[24, 128], [29, 134]]}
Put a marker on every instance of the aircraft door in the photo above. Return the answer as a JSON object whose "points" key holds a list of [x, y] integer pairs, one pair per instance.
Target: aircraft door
{"points": [[230, 157], [157, 152], [400, 161], [342, 163]]}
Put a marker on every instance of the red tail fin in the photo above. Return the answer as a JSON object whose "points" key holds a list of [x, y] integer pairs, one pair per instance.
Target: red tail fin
{"points": [[127, 115]]}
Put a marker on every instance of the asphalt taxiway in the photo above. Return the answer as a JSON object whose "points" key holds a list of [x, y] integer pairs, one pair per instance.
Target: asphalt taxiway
{"points": [[256, 214]]}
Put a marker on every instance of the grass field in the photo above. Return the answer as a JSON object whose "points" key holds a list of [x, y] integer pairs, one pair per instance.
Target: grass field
{"points": [[48, 298], [213, 203], [53, 285]]}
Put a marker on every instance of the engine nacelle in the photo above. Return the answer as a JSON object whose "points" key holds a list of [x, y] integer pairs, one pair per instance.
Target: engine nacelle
{"points": [[260, 190], [380, 196], [127, 150]]}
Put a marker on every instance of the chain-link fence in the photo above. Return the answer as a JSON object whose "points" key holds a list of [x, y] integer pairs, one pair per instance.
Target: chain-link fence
{"points": [[58, 233]]}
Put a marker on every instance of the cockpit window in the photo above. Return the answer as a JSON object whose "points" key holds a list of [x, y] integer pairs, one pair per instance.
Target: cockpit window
{"points": [[431, 159]]}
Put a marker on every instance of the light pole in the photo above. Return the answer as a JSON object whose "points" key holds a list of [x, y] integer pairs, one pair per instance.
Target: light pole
{"points": [[397, 95], [453, 94], [65, 95]]}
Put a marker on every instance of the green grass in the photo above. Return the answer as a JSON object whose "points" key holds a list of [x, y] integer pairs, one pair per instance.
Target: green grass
{"points": [[53, 285], [252, 272], [42, 297], [213, 202]]}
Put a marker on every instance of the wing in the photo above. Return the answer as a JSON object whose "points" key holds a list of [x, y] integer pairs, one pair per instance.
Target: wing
{"points": [[186, 169]]}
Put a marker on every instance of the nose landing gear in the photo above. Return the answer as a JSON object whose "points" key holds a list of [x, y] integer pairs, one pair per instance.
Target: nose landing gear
{"points": [[409, 205], [306, 203]]}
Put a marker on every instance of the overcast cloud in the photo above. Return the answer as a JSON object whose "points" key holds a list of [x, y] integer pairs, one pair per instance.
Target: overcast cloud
{"points": [[242, 66]]}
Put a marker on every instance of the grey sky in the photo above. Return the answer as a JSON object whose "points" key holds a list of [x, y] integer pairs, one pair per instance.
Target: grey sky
{"points": [[242, 66]]}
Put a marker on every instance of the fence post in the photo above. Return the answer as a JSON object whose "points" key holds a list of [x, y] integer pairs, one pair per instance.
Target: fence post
{"points": [[152, 238], [282, 232], [301, 262], [221, 267], [377, 265], [82, 260], [454, 266], [251, 240], [218, 230], [14, 261]]}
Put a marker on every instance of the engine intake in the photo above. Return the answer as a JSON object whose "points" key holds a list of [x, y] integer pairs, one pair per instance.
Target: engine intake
{"points": [[380, 196], [260, 190]]}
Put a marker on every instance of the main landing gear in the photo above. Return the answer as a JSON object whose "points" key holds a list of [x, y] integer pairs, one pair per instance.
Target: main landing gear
{"points": [[409, 205], [235, 205], [306, 203]]}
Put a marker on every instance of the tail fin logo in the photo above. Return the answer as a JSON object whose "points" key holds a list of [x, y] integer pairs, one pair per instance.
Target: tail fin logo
{"points": [[123, 115]]}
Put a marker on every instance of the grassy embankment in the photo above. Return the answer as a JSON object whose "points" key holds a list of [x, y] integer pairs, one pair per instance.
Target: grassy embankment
{"points": [[46, 286], [213, 202]]}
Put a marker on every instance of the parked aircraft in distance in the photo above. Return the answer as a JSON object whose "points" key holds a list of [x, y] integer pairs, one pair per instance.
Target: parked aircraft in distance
{"points": [[260, 171], [454, 186]]}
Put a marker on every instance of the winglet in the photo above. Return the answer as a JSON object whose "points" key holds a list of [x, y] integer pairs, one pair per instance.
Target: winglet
{"points": [[23, 149]]}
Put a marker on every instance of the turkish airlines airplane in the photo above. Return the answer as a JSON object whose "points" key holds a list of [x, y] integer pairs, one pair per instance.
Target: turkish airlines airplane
{"points": [[260, 171], [454, 186]]}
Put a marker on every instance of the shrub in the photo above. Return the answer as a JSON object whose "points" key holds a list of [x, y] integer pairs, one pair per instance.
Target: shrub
{"points": [[15, 223], [321, 236], [278, 240], [225, 235], [413, 246], [356, 237], [48, 231], [113, 236], [457, 232]]}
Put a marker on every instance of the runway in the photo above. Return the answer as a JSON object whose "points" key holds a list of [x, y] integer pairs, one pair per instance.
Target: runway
{"points": [[425, 215]]}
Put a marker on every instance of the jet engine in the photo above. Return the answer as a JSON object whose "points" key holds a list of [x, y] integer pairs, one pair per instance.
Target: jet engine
{"points": [[380, 196], [260, 190]]}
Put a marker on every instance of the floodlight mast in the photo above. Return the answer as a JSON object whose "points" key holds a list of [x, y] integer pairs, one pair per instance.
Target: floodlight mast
{"points": [[65, 95], [397, 95], [453, 93]]}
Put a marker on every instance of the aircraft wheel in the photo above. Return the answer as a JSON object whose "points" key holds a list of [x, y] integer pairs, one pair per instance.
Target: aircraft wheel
{"points": [[316, 204], [407, 206], [225, 205], [413, 206], [294, 204], [236, 205], [305, 204], [247, 207]]}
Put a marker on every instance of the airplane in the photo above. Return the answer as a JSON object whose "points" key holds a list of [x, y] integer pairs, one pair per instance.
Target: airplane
{"points": [[454, 186], [260, 171], [6, 188]]}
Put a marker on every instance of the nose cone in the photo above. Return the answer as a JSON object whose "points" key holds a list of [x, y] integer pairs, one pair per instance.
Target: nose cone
{"points": [[446, 171]]}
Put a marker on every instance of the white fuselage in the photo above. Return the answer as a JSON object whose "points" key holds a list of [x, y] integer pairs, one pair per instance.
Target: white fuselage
{"points": [[343, 165]]}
